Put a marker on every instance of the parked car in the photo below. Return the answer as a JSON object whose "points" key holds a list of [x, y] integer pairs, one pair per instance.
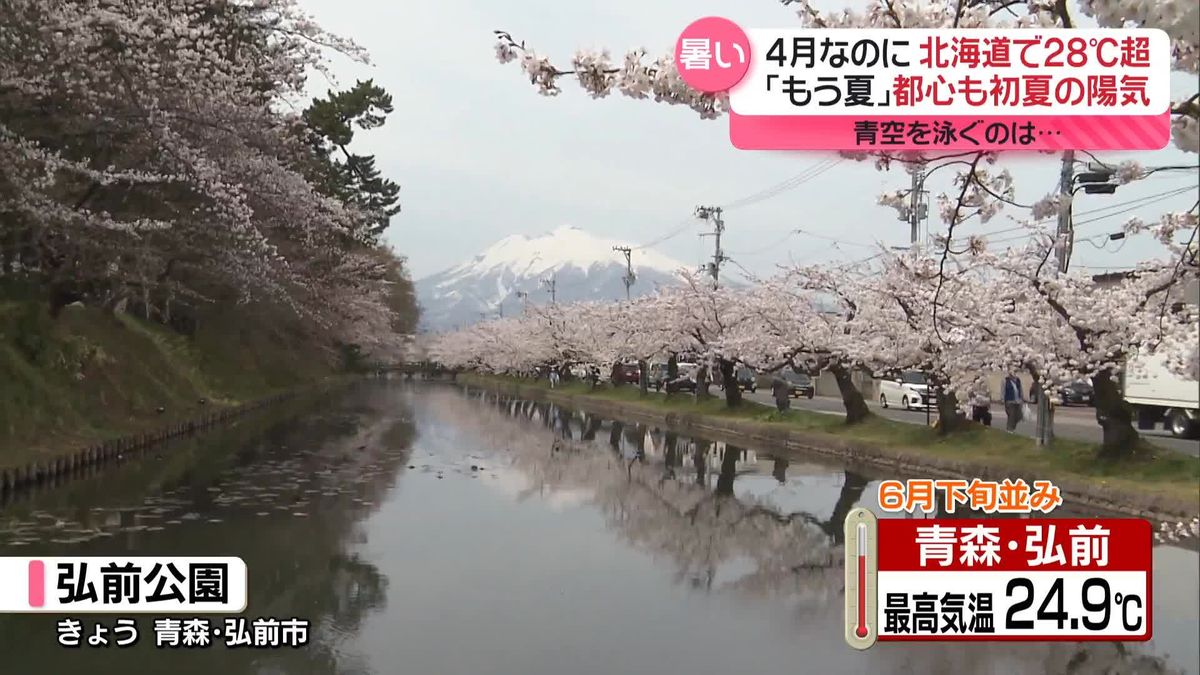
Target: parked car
{"points": [[909, 388], [626, 373], [747, 379], [1078, 392], [686, 380], [800, 384]]}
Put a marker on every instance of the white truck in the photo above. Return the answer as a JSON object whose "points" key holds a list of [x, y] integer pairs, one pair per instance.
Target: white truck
{"points": [[1159, 396]]}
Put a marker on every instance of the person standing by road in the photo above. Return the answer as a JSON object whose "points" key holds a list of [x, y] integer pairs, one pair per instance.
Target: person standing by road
{"points": [[981, 402], [1013, 400], [781, 389]]}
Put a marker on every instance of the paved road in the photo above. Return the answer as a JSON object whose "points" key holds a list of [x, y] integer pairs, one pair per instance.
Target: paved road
{"points": [[1075, 422]]}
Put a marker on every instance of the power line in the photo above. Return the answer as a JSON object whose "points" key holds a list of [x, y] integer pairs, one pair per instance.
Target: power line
{"points": [[670, 235], [827, 164], [789, 184], [781, 186], [1151, 199], [1148, 199], [762, 195], [806, 233], [1132, 208], [750, 276], [833, 239], [768, 247]]}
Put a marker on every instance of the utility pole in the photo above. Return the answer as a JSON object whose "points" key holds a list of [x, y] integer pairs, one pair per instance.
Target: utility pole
{"points": [[629, 277], [1062, 257], [550, 285], [1066, 181], [918, 206], [714, 213], [501, 308], [524, 300], [917, 209]]}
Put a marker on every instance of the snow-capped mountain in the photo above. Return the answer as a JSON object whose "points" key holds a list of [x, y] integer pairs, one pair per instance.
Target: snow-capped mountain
{"points": [[582, 265]]}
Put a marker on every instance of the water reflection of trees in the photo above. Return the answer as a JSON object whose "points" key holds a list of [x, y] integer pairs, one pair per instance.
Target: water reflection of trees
{"points": [[655, 490], [334, 466], [673, 496]]}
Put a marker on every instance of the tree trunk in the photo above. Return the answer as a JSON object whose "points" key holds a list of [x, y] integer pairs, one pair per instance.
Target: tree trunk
{"points": [[779, 469], [61, 295], [852, 398], [949, 417], [852, 490], [671, 457], [733, 392], [593, 425], [702, 380], [564, 423], [1115, 418], [728, 470], [614, 435], [643, 376]]}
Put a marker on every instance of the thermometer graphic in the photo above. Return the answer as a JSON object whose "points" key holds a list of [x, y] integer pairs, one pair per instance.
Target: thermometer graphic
{"points": [[861, 566]]}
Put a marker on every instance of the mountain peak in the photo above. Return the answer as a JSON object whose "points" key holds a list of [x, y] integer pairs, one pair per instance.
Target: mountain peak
{"points": [[564, 246], [585, 265]]}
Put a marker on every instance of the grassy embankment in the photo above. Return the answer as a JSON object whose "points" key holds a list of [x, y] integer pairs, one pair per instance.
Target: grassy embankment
{"points": [[1169, 474], [88, 375]]}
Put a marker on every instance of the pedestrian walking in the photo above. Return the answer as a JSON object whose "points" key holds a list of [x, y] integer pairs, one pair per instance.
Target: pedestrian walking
{"points": [[554, 376], [1013, 400], [981, 404]]}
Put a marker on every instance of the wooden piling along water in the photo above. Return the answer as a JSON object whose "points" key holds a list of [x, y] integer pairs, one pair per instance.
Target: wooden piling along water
{"points": [[51, 471]]}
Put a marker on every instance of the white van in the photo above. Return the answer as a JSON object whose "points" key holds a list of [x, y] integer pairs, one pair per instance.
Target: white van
{"points": [[908, 389]]}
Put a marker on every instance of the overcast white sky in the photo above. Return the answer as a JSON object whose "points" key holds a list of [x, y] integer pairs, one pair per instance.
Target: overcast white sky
{"points": [[480, 155]]}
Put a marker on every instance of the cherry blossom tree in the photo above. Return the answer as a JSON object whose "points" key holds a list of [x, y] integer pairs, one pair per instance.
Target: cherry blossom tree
{"points": [[150, 153], [807, 318], [1090, 332], [954, 317], [938, 321], [707, 318]]}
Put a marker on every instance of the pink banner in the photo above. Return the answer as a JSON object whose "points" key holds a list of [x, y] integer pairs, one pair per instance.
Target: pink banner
{"points": [[957, 133]]}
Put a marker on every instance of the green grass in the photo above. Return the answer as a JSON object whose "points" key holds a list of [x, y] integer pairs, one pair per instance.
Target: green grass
{"points": [[1154, 471], [88, 374]]}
